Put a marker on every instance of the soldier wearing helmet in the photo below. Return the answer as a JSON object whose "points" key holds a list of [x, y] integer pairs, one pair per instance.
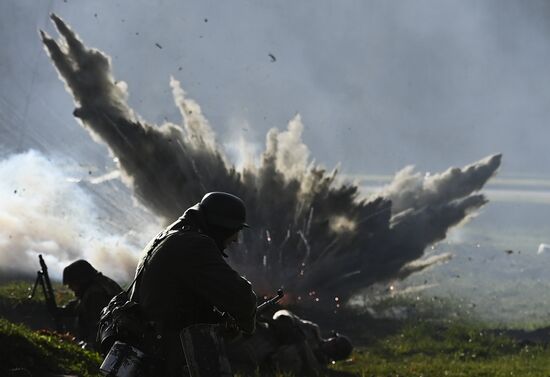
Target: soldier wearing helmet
{"points": [[93, 291], [289, 344], [184, 277]]}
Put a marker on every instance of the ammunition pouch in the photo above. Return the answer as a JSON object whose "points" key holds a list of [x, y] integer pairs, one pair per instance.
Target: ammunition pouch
{"points": [[123, 360]]}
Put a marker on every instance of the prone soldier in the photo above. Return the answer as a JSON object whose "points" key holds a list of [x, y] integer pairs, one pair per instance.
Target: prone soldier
{"points": [[289, 344]]}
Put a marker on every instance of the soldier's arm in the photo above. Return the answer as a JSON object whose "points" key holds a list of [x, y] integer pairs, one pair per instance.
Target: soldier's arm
{"points": [[312, 330], [94, 302], [69, 309], [222, 286], [90, 308]]}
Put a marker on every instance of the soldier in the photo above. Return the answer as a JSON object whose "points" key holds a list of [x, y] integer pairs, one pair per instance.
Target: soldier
{"points": [[303, 348], [93, 291], [289, 344], [184, 277]]}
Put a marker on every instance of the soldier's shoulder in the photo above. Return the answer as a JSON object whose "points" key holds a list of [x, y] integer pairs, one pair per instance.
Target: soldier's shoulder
{"points": [[191, 241], [109, 284], [191, 236], [95, 289]]}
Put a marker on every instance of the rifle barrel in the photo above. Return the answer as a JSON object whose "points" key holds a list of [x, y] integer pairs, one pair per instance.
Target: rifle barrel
{"points": [[49, 295], [272, 301]]}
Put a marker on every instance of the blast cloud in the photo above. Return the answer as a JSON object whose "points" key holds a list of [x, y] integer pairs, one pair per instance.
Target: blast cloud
{"points": [[311, 233]]}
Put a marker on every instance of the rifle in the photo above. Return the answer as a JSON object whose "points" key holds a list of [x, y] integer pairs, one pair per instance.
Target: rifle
{"points": [[270, 302], [43, 279], [204, 349]]}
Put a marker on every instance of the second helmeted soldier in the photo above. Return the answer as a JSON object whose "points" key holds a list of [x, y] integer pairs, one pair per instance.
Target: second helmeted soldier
{"points": [[93, 291]]}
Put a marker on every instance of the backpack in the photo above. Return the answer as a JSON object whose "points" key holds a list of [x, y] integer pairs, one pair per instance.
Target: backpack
{"points": [[121, 319]]}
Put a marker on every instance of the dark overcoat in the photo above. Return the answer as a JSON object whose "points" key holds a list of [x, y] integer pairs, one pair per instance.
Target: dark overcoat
{"points": [[184, 277]]}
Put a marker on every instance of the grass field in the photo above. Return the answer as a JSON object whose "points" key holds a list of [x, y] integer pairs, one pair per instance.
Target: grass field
{"points": [[413, 348], [18, 291], [42, 353], [432, 350]]}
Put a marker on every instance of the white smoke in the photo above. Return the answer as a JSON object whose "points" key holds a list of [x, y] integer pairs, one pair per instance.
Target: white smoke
{"points": [[290, 152], [198, 130], [44, 211], [412, 190]]}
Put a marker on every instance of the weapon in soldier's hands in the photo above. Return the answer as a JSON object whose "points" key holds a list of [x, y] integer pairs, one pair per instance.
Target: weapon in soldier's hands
{"points": [[43, 279], [230, 326], [204, 345], [270, 303], [229, 323]]}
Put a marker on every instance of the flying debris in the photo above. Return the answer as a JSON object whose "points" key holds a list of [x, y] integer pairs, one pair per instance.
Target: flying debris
{"points": [[273, 58], [543, 248], [310, 233]]}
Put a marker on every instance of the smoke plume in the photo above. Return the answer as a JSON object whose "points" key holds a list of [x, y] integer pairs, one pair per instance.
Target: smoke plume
{"points": [[311, 233], [43, 211]]}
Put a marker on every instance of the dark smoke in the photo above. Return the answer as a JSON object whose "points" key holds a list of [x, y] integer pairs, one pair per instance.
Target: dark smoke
{"points": [[310, 233]]}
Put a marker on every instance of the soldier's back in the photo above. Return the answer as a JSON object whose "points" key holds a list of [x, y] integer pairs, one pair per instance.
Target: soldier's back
{"points": [[96, 296], [166, 291]]}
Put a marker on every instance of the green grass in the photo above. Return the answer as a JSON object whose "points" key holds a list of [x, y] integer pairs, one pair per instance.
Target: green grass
{"points": [[17, 292], [17, 307], [40, 352], [419, 347], [431, 350], [43, 353]]}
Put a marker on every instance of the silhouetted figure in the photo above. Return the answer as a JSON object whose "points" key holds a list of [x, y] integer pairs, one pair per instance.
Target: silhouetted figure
{"points": [[93, 291], [289, 344], [185, 276]]}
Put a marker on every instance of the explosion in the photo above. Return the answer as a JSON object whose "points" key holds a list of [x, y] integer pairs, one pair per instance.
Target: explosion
{"points": [[310, 233]]}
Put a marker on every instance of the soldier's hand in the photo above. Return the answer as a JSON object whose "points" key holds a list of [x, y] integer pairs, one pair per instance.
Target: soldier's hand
{"points": [[229, 327]]}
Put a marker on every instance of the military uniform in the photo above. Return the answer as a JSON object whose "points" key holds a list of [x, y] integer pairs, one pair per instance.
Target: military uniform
{"points": [[94, 292], [289, 344], [184, 277], [301, 344]]}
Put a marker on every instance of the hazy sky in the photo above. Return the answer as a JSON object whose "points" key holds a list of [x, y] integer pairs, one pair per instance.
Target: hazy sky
{"points": [[379, 84]]}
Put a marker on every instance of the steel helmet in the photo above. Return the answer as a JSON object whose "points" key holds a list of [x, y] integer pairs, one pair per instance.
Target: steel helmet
{"points": [[78, 272], [338, 347], [223, 210]]}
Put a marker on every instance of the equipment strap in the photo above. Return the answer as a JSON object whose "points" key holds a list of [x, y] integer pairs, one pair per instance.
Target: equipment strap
{"points": [[156, 242]]}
